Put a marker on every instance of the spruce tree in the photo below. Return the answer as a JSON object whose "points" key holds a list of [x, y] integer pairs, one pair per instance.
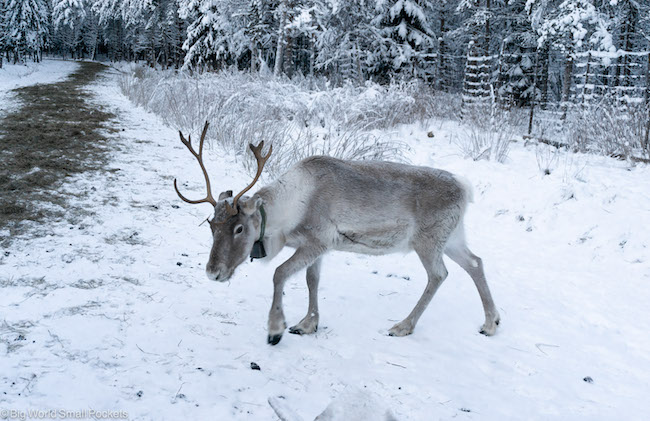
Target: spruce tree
{"points": [[408, 40], [27, 24]]}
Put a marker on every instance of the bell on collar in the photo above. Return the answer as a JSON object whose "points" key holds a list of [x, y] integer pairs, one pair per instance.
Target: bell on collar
{"points": [[258, 251]]}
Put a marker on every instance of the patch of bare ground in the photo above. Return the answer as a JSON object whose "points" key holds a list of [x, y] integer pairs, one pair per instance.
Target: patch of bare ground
{"points": [[55, 133]]}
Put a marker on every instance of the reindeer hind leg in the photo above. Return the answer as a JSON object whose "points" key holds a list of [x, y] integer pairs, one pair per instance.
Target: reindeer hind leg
{"points": [[431, 258], [458, 251]]}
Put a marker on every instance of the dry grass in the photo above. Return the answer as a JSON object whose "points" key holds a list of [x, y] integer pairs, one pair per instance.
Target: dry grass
{"points": [[54, 134], [299, 118], [490, 130], [14, 336], [610, 129]]}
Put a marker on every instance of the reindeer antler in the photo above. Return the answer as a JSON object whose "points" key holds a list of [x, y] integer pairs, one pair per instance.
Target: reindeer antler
{"points": [[199, 157], [261, 160]]}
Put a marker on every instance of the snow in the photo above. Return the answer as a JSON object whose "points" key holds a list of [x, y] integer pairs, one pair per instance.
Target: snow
{"points": [[115, 312], [303, 21]]}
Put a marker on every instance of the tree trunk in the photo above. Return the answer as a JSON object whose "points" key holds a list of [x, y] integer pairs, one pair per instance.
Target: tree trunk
{"points": [[360, 78], [312, 56], [619, 62], [488, 35], [568, 74], [441, 51], [543, 76], [178, 48], [288, 61], [253, 68], [632, 18], [647, 83], [533, 101], [586, 82], [625, 68], [282, 39], [566, 88], [646, 144]]}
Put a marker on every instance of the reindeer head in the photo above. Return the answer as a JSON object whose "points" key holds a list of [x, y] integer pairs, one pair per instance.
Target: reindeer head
{"points": [[237, 221]]}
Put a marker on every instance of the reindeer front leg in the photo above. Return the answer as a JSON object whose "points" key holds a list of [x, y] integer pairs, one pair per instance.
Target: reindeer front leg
{"points": [[309, 323], [303, 257]]}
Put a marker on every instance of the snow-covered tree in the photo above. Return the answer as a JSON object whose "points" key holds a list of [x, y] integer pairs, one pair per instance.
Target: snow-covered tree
{"points": [[106, 10], [519, 60], [260, 28], [570, 26], [520, 44], [69, 13], [90, 33], [27, 25], [477, 25], [630, 22], [68, 18], [517, 82], [4, 30], [166, 32], [344, 34], [216, 34], [407, 38]]}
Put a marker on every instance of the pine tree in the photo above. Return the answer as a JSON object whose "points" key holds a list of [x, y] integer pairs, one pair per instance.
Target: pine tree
{"points": [[176, 30], [4, 30], [627, 15], [27, 22], [68, 18], [407, 36], [260, 29], [570, 26], [216, 35], [518, 55], [344, 38], [68, 12], [90, 33], [446, 66]]}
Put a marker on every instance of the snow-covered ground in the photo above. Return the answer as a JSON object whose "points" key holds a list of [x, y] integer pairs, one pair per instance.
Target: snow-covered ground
{"points": [[115, 312]]}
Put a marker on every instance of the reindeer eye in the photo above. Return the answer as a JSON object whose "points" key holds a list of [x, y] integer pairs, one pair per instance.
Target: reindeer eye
{"points": [[239, 229]]}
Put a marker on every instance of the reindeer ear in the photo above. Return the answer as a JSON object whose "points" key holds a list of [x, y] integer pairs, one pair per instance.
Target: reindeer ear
{"points": [[225, 195], [250, 205]]}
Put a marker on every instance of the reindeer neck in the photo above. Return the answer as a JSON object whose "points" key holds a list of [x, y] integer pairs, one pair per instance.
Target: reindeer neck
{"points": [[274, 233]]}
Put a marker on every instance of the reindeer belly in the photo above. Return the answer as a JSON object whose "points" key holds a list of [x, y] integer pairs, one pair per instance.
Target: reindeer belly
{"points": [[374, 240]]}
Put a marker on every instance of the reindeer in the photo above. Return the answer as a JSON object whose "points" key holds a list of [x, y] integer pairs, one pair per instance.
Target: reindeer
{"points": [[324, 203]]}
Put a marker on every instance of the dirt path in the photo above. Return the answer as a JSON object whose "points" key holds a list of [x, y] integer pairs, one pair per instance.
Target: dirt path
{"points": [[55, 133]]}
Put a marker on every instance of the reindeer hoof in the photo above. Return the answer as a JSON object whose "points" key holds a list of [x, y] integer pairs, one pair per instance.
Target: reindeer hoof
{"points": [[274, 339], [490, 328], [402, 328], [297, 330]]}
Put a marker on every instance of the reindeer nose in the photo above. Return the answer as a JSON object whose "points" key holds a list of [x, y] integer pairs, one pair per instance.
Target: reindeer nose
{"points": [[218, 272], [212, 275]]}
